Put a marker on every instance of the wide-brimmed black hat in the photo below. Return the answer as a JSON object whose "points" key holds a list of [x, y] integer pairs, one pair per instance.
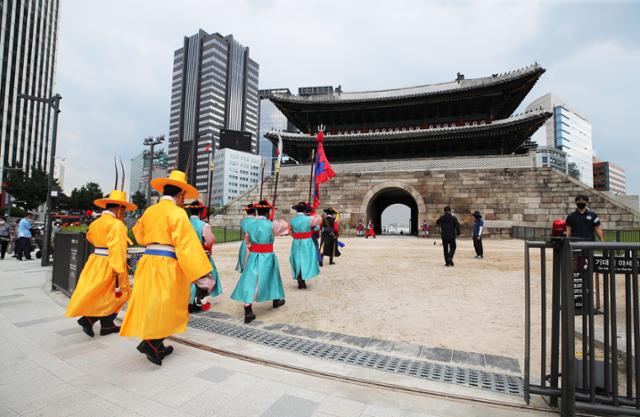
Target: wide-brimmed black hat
{"points": [[302, 206], [250, 206], [330, 210], [263, 204], [477, 214]]}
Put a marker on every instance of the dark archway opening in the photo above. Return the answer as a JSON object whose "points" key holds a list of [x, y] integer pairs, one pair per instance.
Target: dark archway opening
{"points": [[387, 197]]}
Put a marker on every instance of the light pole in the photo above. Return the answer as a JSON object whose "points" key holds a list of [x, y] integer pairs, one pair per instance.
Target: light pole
{"points": [[54, 103], [151, 142]]}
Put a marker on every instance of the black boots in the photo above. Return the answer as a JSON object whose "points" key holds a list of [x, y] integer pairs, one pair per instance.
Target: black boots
{"points": [[87, 326], [108, 330], [151, 352], [248, 314], [278, 303], [302, 285]]}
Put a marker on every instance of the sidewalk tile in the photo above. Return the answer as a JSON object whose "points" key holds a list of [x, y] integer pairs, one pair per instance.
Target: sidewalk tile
{"points": [[215, 374], [290, 406], [341, 407]]}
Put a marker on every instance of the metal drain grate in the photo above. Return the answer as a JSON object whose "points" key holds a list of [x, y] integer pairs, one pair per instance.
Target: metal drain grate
{"points": [[473, 378]]}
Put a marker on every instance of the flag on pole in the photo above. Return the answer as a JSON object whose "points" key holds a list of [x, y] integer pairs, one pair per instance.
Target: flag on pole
{"points": [[323, 171]]}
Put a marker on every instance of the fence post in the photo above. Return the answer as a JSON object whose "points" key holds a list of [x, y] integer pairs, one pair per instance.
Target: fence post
{"points": [[568, 333], [224, 231]]}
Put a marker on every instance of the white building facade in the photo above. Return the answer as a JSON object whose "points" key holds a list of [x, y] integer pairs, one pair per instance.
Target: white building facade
{"points": [[569, 132], [234, 173]]}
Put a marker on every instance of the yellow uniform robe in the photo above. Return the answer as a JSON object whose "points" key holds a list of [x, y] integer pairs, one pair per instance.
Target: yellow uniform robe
{"points": [[95, 294], [161, 286]]}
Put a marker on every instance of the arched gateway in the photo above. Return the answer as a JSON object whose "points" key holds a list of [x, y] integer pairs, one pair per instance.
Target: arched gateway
{"points": [[383, 195]]}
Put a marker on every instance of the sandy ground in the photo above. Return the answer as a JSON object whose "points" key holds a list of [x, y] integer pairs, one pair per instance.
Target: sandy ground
{"points": [[397, 288]]}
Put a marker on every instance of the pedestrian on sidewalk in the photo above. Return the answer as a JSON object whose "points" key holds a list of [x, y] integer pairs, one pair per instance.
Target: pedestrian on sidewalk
{"points": [[23, 244], [103, 286], [261, 280], [304, 256], [449, 231], [478, 228], [5, 236], [370, 230], [172, 261]]}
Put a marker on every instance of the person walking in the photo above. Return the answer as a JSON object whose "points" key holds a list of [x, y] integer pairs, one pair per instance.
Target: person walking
{"points": [[261, 279], [478, 228], [370, 230], [244, 224], [204, 288], [304, 256], [172, 260], [449, 231], [5, 236], [360, 228], [425, 228], [103, 285], [584, 223], [329, 239], [23, 244]]}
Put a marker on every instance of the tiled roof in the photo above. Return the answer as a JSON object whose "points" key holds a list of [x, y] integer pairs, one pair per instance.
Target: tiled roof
{"points": [[452, 86]]}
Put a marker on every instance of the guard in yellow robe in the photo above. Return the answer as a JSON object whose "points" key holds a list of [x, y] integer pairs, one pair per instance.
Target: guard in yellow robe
{"points": [[103, 286], [172, 260]]}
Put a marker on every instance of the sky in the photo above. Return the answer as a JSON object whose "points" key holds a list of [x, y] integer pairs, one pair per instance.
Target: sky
{"points": [[114, 61]]}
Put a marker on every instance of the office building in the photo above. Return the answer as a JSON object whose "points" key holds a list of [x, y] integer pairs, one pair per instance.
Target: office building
{"points": [[28, 36], [550, 156], [214, 89], [235, 172], [139, 172], [609, 177], [569, 132]]}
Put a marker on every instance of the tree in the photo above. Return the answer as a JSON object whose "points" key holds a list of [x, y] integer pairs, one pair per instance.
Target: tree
{"points": [[30, 190], [82, 198], [139, 200]]}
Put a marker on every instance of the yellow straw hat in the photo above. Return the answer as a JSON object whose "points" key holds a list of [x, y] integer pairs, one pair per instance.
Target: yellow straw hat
{"points": [[116, 197], [177, 179]]}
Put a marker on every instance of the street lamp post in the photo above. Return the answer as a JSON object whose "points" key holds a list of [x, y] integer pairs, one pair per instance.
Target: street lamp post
{"points": [[54, 102], [151, 142]]}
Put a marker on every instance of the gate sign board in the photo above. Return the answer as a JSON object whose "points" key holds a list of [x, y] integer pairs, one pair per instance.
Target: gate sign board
{"points": [[622, 265]]}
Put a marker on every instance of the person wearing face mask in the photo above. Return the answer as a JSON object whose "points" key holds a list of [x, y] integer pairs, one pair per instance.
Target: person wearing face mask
{"points": [[584, 223], [5, 236], [103, 286]]}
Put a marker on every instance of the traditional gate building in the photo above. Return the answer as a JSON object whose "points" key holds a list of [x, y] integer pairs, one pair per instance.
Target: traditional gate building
{"points": [[455, 143]]}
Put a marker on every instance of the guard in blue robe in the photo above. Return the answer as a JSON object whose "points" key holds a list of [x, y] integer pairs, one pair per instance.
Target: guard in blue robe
{"points": [[244, 224], [304, 255], [260, 279], [204, 233]]}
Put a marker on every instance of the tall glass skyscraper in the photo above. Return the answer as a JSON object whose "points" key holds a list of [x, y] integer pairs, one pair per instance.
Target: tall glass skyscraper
{"points": [[215, 86], [569, 132], [28, 35]]}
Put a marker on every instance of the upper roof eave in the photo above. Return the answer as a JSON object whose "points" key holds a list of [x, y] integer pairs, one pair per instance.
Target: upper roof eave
{"points": [[411, 92], [521, 119]]}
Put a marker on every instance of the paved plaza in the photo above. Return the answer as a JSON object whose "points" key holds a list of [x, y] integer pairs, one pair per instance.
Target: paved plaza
{"points": [[50, 368]]}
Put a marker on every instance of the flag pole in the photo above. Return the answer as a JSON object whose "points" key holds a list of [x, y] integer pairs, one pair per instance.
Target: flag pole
{"points": [[261, 177], [313, 164]]}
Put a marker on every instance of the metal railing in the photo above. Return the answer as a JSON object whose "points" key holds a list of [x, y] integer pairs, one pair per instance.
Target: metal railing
{"points": [[226, 233], [542, 233], [602, 380]]}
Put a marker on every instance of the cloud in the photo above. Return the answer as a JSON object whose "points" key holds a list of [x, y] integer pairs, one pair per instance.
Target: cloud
{"points": [[115, 60]]}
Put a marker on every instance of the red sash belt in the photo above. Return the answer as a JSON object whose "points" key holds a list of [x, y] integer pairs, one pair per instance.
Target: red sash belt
{"points": [[261, 247], [302, 235]]}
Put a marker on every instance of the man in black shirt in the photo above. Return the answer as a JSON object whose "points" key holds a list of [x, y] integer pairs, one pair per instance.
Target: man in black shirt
{"points": [[584, 223], [449, 230]]}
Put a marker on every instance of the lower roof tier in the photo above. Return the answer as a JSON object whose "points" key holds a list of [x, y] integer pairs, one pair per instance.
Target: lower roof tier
{"points": [[502, 137]]}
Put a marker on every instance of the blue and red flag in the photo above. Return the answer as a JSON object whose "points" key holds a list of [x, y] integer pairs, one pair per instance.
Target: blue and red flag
{"points": [[323, 171]]}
